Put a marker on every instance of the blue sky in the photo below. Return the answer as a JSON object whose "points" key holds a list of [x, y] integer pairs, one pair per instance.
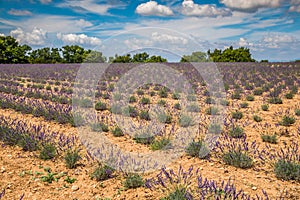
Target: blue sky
{"points": [[270, 28]]}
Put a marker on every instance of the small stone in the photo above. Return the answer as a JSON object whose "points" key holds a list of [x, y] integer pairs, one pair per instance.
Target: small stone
{"points": [[75, 188], [2, 170], [254, 188]]}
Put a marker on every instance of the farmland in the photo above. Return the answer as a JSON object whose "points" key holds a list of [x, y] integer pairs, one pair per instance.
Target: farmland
{"points": [[255, 156]]}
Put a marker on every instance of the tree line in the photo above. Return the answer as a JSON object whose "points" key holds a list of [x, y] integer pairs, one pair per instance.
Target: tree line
{"points": [[12, 52]]}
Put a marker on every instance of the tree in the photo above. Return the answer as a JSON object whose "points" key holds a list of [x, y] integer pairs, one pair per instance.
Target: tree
{"points": [[93, 56], [12, 52], [122, 59], [140, 57], [231, 55], [73, 54], [137, 58], [197, 56]]}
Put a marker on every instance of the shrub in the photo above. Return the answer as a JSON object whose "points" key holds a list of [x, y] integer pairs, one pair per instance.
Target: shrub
{"points": [[102, 173], [214, 128], [297, 112], [287, 121], [163, 93], [287, 170], [289, 95], [185, 121], [236, 132], [257, 118], [133, 181], [100, 106], [132, 99], [180, 193], [48, 152], [237, 115], [48, 87], [175, 96], [152, 93], [209, 100], [244, 105], [144, 138], [27, 142], [164, 118], [193, 108], [238, 159], [269, 138], [177, 106], [145, 101], [145, 115], [116, 109], [224, 102], [117, 132], [197, 149], [236, 95], [275, 100], [71, 158], [162, 102], [258, 91], [140, 92], [212, 111], [160, 144], [97, 127], [130, 111], [265, 107]]}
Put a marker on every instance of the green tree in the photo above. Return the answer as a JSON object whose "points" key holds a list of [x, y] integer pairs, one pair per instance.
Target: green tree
{"points": [[92, 56], [140, 57], [73, 54], [197, 56], [231, 55], [12, 52]]}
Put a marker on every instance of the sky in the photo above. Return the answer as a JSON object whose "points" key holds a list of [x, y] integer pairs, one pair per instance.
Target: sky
{"points": [[269, 28]]}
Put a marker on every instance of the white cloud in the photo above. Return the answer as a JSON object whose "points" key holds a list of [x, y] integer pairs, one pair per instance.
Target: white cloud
{"points": [[36, 37], [1, 34], [274, 41], [90, 6], [83, 23], [153, 8], [250, 5], [45, 1], [81, 39], [19, 12], [189, 8], [161, 37], [295, 6]]}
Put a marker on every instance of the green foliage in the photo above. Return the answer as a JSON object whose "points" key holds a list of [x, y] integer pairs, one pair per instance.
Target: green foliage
{"points": [[238, 159], [144, 138], [195, 57], [289, 95], [231, 55], [145, 101], [297, 112], [102, 173], [186, 120], [212, 111], [258, 91], [236, 132], [275, 100], [137, 58], [287, 170], [177, 106], [257, 118], [12, 52], [237, 115], [132, 99], [159, 144], [250, 98], [133, 181], [244, 105], [179, 193], [48, 152], [97, 127], [117, 132], [236, 95], [265, 107], [145, 115], [269, 138], [100, 106], [287, 120], [197, 149], [193, 108], [71, 158], [214, 128], [70, 180]]}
